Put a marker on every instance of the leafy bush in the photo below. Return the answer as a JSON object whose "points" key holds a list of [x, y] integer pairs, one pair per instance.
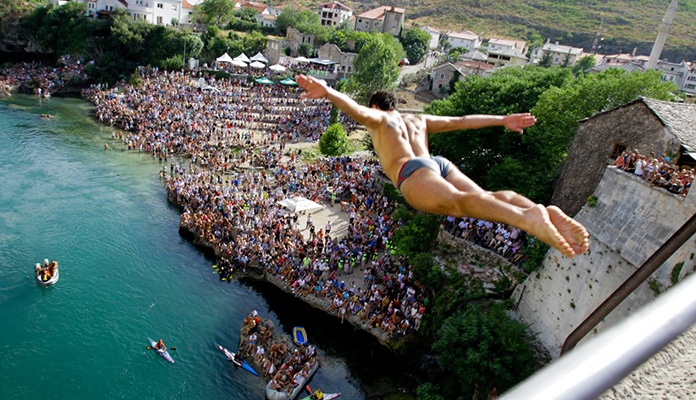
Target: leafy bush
{"points": [[334, 141]]}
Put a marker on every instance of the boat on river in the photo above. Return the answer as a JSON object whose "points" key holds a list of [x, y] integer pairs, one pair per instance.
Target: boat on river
{"points": [[273, 394], [47, 274]]}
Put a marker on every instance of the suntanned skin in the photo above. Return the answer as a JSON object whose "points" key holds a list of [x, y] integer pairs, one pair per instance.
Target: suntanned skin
{"points": [[398, 138]]}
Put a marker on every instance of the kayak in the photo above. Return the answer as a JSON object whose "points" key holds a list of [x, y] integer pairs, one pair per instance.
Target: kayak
{"points": [[299, 335], [327, 396], [231, 357], [164, 353]]}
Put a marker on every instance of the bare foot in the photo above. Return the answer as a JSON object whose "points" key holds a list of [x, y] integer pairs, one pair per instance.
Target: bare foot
{"points": [[541, 226], [574, 233]]}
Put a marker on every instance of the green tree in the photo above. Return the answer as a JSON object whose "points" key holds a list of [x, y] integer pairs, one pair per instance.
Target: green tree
{"points": [[584, 65], [376, 68], [478, 152], [61, 29], [305, 50], [217, 11], [334, 141], [296, 18], [484, 349], [415, 42], [418, 231]]}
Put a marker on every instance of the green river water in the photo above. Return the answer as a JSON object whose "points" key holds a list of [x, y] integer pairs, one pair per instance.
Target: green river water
{"points": [[126, 274]]}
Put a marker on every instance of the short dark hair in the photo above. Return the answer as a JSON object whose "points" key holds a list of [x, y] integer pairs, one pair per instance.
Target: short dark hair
{"points": [[384, 100]]}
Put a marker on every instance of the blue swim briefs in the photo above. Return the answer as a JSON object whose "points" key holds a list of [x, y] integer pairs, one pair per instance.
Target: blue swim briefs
{"points": [[437, 164]]}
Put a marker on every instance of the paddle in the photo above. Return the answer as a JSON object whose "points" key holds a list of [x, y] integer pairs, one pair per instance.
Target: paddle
{"points": [[168, 348]]}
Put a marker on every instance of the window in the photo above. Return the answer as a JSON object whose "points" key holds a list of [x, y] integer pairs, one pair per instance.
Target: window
{"points": [[174, 7], [160, 5], [617, 150]]}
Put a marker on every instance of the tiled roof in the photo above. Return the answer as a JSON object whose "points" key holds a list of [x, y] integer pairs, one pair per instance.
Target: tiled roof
{"points": [[378, 13], [464, 35], [678, 117]]}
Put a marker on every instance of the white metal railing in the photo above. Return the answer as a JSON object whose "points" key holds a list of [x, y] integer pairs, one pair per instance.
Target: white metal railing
{"points": [[599, 363]]}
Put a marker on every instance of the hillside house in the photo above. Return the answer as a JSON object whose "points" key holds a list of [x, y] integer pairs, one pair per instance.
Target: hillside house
{"points": [[559, 54], [434, 36], [502, 52], [646, 125], [159, 12], [384, 19], [466, 39], [334, 13], [440, 78]]}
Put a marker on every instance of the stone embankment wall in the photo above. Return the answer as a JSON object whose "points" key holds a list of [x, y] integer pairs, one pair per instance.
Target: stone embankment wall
{"points": [[629, 222]]}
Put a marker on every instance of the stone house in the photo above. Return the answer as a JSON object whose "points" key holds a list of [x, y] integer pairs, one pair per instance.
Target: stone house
{"points": [[296, 38], [343, 61], [646, 125], [441, 76], [384, 19]]}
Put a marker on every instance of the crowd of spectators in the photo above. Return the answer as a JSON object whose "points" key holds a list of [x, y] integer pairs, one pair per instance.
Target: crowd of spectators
{"points": [[40, 79], [658, 171], [237, 174], [287, 366], [505, 240]]}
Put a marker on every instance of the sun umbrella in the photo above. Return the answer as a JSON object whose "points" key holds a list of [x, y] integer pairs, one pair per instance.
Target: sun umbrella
{"points": [[264, 81], [277, 68], [288, 82], [257, 65]]}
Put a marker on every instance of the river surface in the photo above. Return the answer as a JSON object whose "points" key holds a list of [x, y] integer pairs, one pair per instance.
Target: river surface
{"points": [[125, 275]]}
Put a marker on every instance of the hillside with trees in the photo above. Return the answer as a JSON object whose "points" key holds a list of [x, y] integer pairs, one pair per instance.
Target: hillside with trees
{"points": [[625, 24]]}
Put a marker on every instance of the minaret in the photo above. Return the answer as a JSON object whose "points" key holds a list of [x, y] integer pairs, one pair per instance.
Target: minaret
{"points": [[662, 33]]}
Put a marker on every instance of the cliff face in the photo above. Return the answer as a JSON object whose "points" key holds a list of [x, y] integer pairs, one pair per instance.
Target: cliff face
{"points": [[630, 221], [13, 40]]}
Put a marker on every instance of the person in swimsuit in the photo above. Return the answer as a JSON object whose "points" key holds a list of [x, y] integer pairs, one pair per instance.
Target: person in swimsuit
{"points": [[436, 186]]}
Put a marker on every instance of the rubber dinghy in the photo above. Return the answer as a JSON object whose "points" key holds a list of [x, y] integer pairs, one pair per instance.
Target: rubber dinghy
{"points": [[48, 282], [299, 335], [235, 360], [272, 394], [163, 353]]}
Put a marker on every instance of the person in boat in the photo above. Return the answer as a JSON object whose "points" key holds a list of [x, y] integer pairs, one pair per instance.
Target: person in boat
{"points": [[37, 268], [317, 395], [237, 358], [159, 346], [52, 266]]}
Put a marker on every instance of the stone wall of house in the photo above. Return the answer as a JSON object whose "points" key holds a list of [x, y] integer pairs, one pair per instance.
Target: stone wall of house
{"points": [[633, 125], [629, 222], [474, 254]]}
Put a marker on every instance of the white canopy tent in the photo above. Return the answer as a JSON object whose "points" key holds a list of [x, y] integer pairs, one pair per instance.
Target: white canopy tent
{"points": [[243, 57], [297, 204], [302, 59], [224, 58], [277, 68], [259, 57], [257, 65]]}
